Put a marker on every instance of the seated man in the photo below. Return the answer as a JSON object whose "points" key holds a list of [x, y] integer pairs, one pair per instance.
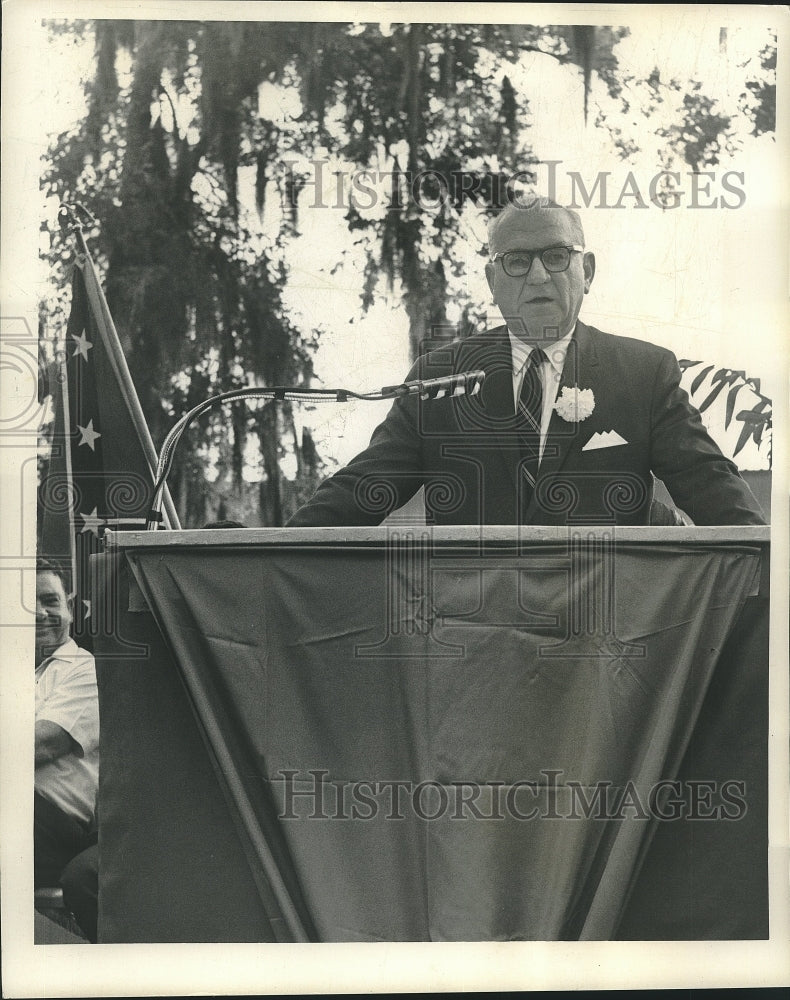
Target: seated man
{"points": [[66, 734], [570, 424]]}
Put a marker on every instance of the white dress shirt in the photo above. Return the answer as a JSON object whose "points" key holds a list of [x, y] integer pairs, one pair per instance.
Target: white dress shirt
{"points": [[550, 372]]}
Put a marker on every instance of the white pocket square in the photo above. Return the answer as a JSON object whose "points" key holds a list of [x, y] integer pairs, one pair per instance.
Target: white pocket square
{"points": [[607, 439]]}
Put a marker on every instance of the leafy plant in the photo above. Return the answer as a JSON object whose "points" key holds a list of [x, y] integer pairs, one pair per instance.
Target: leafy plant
{"points": [[756, 420]]}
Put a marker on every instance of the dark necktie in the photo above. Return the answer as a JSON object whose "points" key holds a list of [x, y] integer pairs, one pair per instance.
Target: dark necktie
{"points": [[530, 410]]}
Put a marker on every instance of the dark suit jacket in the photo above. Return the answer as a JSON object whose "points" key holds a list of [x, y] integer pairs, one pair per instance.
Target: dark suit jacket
{"points": [[465, 450]]}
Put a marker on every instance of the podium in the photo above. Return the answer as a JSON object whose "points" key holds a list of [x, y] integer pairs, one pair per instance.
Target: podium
{"points": [[420, 734]]}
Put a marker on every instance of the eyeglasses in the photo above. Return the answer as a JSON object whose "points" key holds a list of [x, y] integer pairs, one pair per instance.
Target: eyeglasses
{"points": [[517, 263]]}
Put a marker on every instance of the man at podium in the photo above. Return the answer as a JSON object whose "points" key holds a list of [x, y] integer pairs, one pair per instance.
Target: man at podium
{"points": [[570, 426]]}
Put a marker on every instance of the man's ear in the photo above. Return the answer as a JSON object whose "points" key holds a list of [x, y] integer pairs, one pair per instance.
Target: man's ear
{"points": [[490, 276], [589, 270]]}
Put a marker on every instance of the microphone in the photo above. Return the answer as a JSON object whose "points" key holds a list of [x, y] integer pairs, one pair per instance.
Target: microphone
{"points": [[463, 384]]}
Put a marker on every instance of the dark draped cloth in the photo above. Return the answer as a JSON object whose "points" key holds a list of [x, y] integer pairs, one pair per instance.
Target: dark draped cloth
{"points": [[411, 743]]}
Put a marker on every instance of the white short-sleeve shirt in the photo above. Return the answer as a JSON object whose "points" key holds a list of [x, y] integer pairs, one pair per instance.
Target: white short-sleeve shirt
{"points": [[66, 694]]}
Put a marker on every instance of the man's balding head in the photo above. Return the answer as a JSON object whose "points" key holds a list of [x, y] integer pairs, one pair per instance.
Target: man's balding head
{"points": [[519, 212]]}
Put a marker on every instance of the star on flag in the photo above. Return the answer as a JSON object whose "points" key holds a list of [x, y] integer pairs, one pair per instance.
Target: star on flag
{"points": [[88, 435], [91, 522], [83, 345]]}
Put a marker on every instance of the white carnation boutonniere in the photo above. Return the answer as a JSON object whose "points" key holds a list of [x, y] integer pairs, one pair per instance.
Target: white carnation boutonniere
{"points": [[575, 404]]}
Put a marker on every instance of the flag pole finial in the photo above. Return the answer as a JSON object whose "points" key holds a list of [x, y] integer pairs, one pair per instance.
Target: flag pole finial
{"points": [[70, 217], [67, 217], [68, 214]]}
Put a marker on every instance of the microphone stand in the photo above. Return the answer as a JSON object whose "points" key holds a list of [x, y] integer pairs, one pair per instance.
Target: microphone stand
{"points": [[273, 393], [462, 384]]}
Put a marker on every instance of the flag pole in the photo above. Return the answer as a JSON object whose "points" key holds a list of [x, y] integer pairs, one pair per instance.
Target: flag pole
{"points": [[68, 218]]}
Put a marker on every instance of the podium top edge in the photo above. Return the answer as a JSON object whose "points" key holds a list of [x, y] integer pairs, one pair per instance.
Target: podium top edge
{"points": [[465, 535]]}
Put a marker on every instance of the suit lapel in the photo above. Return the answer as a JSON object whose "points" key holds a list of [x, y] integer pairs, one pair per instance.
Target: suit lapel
{"points": [[499, 406], [580, 370]]}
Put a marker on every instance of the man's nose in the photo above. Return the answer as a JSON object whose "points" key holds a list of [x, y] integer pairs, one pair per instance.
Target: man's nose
{"points": [[41, 611], [537, 274]]}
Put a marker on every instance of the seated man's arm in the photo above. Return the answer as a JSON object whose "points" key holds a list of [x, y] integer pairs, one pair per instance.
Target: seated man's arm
{"points": [[68, 720], [700, 480], [52, 741]]}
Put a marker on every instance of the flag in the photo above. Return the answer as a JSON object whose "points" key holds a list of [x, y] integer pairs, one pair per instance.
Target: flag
{"points": [[102, 461]]}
